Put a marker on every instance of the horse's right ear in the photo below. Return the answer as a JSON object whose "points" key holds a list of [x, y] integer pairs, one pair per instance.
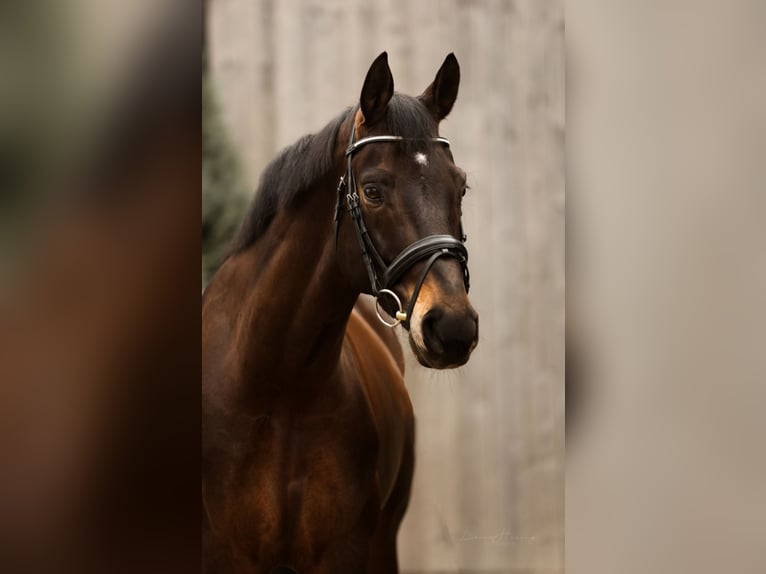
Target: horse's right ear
{"points": [[440, 96], [377, 90]]}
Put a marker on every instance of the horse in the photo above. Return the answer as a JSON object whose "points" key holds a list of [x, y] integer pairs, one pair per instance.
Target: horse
{"points": [[308, 430]]}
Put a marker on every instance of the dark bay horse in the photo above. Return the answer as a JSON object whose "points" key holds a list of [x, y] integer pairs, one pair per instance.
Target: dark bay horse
{"points": [[308, 430]]}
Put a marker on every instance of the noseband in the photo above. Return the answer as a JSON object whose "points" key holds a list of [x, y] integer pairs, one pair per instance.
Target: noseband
{"points": [[430, 248]]}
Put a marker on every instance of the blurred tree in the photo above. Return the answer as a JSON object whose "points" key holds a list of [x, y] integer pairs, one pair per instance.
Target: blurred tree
{"points": [[40, 105], [224, 189]]}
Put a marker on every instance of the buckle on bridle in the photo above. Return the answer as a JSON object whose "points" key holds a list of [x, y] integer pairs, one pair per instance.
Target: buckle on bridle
{"points": [[400, 314]]}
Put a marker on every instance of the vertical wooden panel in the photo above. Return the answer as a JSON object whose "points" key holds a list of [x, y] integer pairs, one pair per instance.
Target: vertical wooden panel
{"points": [[489, 490]]}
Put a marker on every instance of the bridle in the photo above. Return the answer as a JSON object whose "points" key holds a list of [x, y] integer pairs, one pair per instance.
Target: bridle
{"points": [[430, 248]]}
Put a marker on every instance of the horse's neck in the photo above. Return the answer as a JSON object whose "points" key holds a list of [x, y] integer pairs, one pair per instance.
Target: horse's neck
{"points": [[292, 308]]}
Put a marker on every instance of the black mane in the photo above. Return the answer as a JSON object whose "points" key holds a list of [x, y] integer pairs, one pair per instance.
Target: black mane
{"points": [[297, 167]]}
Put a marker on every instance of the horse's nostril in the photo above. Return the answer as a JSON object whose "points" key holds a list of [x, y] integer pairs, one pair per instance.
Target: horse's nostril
{"points": [[430, 331], [457, 335], [450, 334]]}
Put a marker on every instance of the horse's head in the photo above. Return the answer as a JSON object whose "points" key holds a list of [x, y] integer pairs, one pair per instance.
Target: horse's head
{"points": [[406, 213]]}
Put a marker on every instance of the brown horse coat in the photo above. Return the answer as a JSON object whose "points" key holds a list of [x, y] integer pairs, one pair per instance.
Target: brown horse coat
{"points": [[308, 430]]}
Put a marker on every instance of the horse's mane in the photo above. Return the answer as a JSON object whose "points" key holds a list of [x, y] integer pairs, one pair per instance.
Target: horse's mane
{"points": [[287, 177], [298, 167]]}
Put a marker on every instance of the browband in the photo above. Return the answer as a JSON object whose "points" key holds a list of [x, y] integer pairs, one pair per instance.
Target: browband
{"points": [[355, 146]]}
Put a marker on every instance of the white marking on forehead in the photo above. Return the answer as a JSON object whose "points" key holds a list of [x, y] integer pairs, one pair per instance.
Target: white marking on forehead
{"points": [[421, 158]]}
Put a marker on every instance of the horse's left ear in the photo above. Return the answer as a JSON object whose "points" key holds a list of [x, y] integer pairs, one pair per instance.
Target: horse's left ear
{"points": [[442, 93], [377, 90]]}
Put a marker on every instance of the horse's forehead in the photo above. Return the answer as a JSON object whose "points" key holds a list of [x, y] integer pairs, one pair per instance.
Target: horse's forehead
{"points": [[420, 157], [422, 162]]}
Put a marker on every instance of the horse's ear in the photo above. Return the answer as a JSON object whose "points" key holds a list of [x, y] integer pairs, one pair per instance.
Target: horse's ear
{"points": [[442, 93], [377, 90]]}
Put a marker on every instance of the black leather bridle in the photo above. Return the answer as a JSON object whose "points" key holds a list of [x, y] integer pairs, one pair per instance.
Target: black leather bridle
{"points": [[430, 248]]}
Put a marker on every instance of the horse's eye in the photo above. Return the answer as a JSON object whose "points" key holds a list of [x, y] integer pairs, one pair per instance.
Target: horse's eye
{"points": [[372, 193], [465, 189]]}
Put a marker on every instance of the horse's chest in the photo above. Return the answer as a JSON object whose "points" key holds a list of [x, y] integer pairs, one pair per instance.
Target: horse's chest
{"points": [[305, 481]]}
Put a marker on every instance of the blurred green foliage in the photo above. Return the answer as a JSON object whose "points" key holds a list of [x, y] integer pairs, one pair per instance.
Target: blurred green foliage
{"points": [[224, 189], [40, 111]]}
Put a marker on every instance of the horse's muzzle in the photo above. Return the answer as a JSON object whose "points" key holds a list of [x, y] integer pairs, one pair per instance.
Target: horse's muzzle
{"points": [[448, 337]]}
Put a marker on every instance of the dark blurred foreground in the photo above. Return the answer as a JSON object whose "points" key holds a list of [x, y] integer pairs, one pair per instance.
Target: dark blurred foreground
{"points": [[99, 287]]}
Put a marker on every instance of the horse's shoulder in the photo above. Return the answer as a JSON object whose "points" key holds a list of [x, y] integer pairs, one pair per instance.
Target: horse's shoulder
{"points": [[380, 362]]}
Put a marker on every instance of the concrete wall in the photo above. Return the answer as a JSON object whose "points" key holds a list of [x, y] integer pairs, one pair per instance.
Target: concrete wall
{"points": [[489, 485]]}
